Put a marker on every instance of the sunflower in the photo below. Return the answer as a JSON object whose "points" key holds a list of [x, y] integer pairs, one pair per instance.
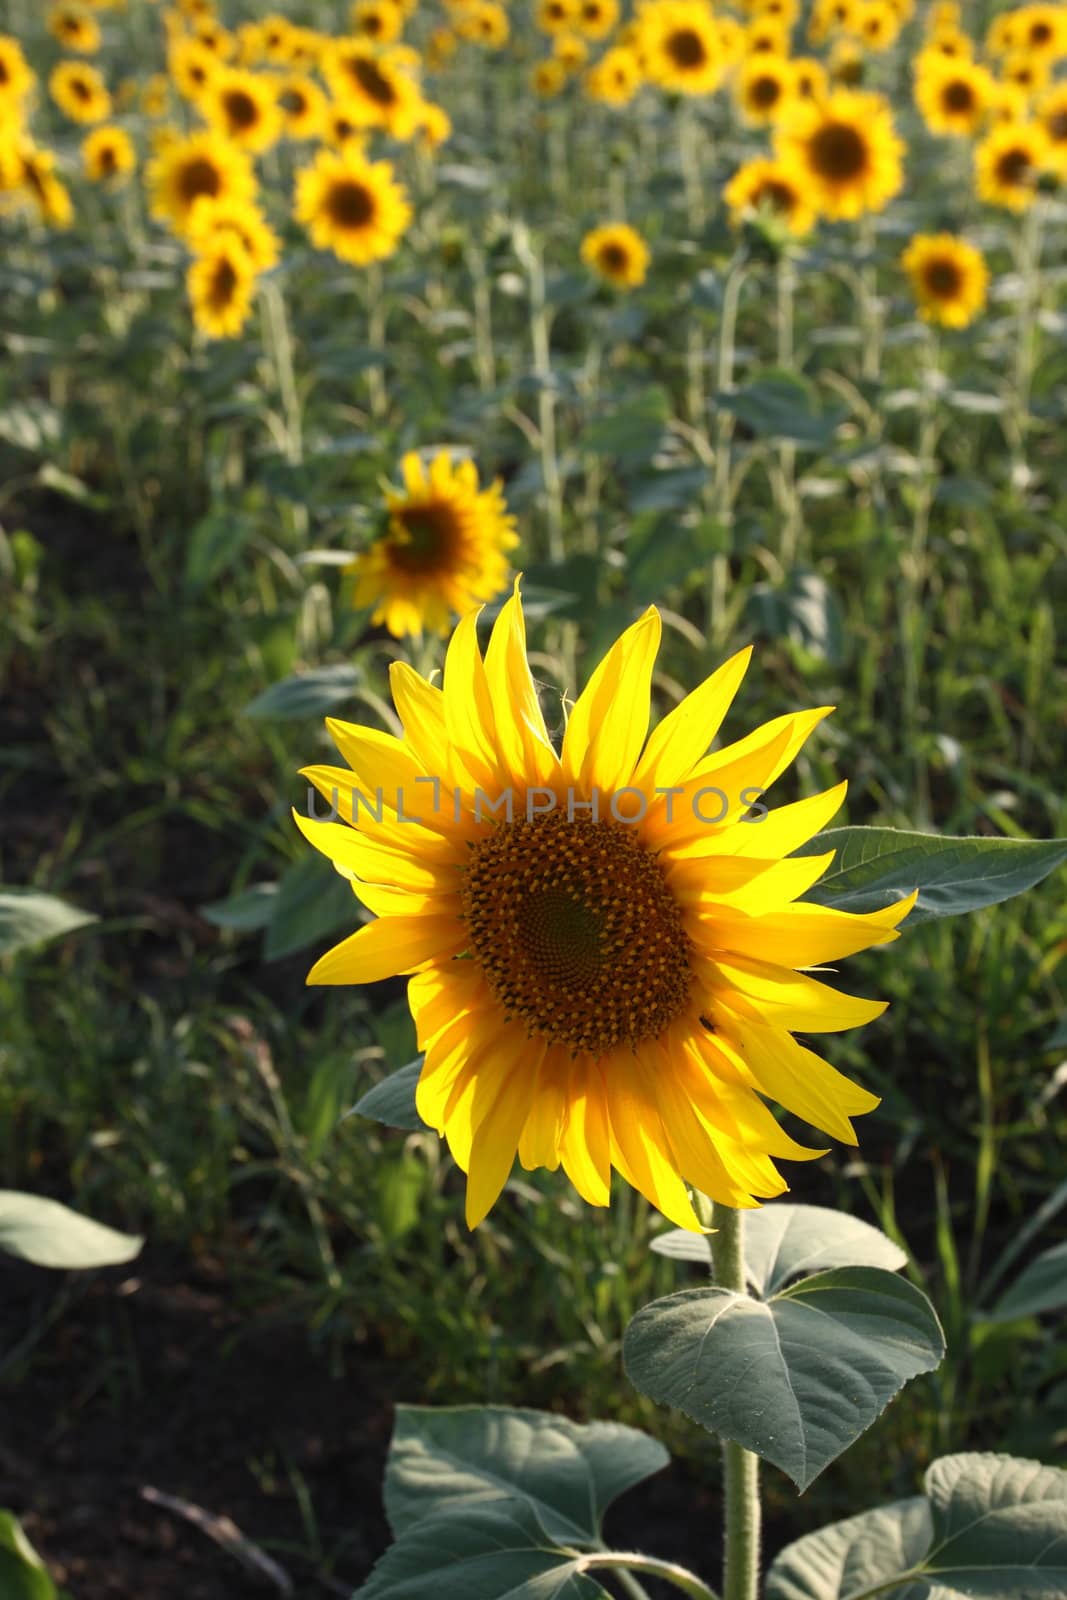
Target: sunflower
{"points": [[608, 970], [845, 67], [596, 18], [352, 206], [243, 106], [339, 126], [763, 89], [876, 24], [845, 152], [810, 81], [435, 125], [1003, 34], [1052, 118], [75, 29], [557, 16], [108, 156], [679, 45], [615, 78], [785, 12], [213, 220], [29, 179], [373, 89], [155, 95], [571, 51], [949, 278], [953, 96], [17, 77], [617, 254], [486, 23], [1043, 29], [443, 550], [1008, 103], [80, 91], [192, 66], [219, 40], [380, 20], [1026, 71], [278, 39], [766, 36], [548, 78], [302, 104], [188, 168], [762, 185], [1008, 163], [221, 283], [441, 46], [952, 43], [831, 16]]}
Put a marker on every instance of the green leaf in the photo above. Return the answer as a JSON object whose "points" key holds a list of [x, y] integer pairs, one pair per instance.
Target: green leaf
{"points": [[563, 1473], [308, 694], [797, 1378], [214, 545], [28, 917], [633, 431], [874, 867], [246, 912], [51, 1235], [784, 1242], [991, 1526], [393, 1100], [803, 610], [22, 1572], [489, 1552], [1040, 1287], [781, 406], [313, 902]]}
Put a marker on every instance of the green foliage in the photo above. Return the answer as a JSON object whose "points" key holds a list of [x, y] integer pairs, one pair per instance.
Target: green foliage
{"points": [[22, 1572], [51, 1235], [28, 918]]}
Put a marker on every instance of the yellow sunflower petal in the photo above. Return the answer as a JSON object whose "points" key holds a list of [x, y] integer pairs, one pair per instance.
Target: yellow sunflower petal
{"points": [[793, 999], [387, 947], [684, 735], [609, 722]]}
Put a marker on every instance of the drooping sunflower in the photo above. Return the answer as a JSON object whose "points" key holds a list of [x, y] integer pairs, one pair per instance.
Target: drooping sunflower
{"points": [[953, 96], [197, 166], [243, 106], [1008, 163], [212, 220], [615, 78], [679, 45], [302, 104], [17, 77], [1052, 117], [379, 20], [771, 186], [75, 29], [617, 254], [596, 18], [352, 206], [949, 278], [221, 283], [192, 66], [108, 156], [763, 89], [844, 150], [443, 551], [376, 92], [608, 968], [80, 91]]}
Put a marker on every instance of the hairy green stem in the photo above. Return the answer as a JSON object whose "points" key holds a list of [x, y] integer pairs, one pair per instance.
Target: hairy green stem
{"points": [[623, 1561], [740, 1466]]}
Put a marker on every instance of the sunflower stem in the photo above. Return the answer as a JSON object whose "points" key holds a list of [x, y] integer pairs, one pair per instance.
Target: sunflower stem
{"points": [[870, 312], [740, 1466], [376, 313], [724, 427], [1028, 265], [623, 1562], [531, 257], [787, 453]]}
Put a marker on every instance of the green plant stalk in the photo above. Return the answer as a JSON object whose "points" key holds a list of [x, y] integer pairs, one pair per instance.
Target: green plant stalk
{"points": [[484, 354], [724, 427], [870, 313], [376, 315], [914, 565], [785, 280], [740, 1466], [546, 406], [1028, 266], [624, 1561]]}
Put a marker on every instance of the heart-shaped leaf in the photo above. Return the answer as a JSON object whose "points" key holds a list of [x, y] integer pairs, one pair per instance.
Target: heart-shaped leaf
{"points": [[797, 1378], [565, 1473], [784, 1242], [51, 1235], [991, 1527]]}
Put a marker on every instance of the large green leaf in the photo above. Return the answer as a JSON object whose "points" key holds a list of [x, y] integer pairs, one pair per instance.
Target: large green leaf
{"points": [[796, 1378], [779, 405], [1040, 1287], [393, 1100], [490, 1552], [313, 902], [246, 912], [22, 1572], [51, 1235], [28, 917], [785, 1241], [565, 1474], [309, 694], [874, 867], [991, 1528]]}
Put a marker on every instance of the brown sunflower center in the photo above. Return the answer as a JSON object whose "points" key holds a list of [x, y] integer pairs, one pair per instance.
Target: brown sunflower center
{"points": [[425, 538], [223, 284], [1056, 126], [80, 89], [198, 177], [686, 48], [242, 112], [5, 76], [943, 278], [765, 92], [839, 152], [958, 96], [773, 192], [373, 82], [1040, 33], [371, 24], [350, 203], [293, 102], [577, 932], [1014, 167], [614, 259], [108, 159]]}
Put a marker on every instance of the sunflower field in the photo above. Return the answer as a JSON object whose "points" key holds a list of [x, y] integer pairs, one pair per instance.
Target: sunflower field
{"points": [[500, 1088]]}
